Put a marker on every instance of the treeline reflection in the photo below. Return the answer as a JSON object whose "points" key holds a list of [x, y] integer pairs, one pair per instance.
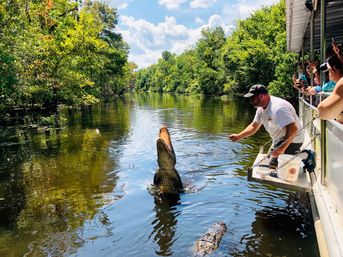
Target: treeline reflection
{"points": [[52, 181]]}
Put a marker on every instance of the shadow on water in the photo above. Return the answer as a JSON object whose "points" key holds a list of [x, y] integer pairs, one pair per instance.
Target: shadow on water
{"points": [[12, 191], [272, 226], [164, 224]]}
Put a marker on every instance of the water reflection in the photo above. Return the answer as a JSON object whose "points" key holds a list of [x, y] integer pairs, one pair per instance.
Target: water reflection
{"points": [[272, 226], [164, 224], [56, 180], [205, 114], [13, 150], [60, 189], [12, 196]]}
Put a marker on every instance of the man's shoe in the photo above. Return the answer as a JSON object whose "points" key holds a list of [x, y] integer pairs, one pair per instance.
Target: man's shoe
{"points": [[310, 161]]}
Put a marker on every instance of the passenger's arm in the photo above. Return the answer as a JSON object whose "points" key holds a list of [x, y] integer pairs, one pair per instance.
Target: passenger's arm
{"points": [[331, 107], [250, 130]]}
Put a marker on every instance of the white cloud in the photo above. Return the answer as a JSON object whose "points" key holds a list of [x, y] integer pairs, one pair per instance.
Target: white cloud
{"points": [[144, 60], [217, 21], [244, 8], [120, 4], [199, 20], [147, 41], [171, 4], [202, 3], [169, 27], [142, 32], [193, 36]]}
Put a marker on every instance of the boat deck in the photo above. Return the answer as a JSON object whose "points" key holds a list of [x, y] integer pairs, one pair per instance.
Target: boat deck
{"points": [[261, 174]]}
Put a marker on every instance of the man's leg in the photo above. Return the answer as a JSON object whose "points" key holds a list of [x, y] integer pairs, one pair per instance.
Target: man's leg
{"points": [[293, 148]]}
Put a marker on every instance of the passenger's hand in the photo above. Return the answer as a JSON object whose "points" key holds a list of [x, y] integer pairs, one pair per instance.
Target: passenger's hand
{"points": [[234, 137], [294, 77]]}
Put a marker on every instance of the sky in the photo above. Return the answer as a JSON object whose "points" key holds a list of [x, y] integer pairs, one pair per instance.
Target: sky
{"points": [[153, 26]]}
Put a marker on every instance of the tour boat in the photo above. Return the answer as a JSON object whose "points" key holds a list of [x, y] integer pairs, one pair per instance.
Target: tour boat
{"points": [[311, 25]]}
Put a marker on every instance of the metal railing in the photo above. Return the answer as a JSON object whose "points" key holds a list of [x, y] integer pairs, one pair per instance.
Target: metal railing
{"points": [[327, 182]]}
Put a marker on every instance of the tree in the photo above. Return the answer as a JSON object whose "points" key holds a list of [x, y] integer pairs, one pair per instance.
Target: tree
{"points": [[8, 78], [56, 52], [254, 53], [209, 47]]}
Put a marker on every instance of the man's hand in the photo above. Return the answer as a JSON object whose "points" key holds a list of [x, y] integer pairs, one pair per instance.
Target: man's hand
{"points": [[278, 151], [291, 130], [234, 137], [248, 131]]}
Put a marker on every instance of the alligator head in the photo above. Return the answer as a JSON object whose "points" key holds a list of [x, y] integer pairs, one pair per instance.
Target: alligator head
{"points": [[209, 242], [167, 179], [165, 151]]}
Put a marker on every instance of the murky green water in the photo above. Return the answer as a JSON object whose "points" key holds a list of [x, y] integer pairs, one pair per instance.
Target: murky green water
{"points": [[76, 192]]}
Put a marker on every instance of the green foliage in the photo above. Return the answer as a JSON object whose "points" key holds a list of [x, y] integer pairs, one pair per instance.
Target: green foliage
{"points": [[194, 71], [7, 78], [283, 71], [208, 48], [249, 62], [254, 53], [47, 121], [55, 52]]}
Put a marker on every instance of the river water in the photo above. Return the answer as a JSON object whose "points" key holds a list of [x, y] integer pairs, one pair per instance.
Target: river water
{"points": [[82, 190]]}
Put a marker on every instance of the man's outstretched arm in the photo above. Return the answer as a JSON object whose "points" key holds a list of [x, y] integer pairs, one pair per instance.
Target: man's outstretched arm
{"points": [[250, 130]]}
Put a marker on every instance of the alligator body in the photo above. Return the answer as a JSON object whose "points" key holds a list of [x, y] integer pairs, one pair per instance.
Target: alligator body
{"points": [[209, 242], [167, 179]]}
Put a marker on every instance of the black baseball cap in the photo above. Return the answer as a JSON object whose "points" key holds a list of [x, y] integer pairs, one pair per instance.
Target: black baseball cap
{"points": [[256, 90]]}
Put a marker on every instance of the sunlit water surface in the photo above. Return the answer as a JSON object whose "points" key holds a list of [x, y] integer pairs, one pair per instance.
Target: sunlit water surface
{"points": [[82, 190]]}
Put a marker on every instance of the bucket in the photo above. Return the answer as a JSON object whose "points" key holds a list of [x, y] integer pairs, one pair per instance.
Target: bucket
{"points": [[289, 171]]}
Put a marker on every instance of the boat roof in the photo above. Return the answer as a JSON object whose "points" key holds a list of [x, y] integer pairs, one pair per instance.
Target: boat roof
{"points": [[298, 24]]}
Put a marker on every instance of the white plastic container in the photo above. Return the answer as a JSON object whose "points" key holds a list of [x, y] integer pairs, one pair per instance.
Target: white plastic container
{"points": [[289, 171]]}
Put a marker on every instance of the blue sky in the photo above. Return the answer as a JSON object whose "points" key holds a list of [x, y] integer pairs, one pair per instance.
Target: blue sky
{"points": [[153, 26]]}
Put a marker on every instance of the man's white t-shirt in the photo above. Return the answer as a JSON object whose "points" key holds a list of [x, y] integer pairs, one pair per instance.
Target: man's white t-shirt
{"points": [[278, 114]]}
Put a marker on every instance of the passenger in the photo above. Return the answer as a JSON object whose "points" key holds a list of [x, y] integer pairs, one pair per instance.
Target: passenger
{"points": [[328, 86], [317, 88], [301, 81], [332, 106], [278, 118], [316, 83], [316, 68]]}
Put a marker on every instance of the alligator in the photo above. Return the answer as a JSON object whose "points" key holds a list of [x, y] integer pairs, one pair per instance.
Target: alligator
{"points": [[167, 186], [167, 180], [209, 242]]}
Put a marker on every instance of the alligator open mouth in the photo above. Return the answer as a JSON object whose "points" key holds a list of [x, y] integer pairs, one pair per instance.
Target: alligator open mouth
{"points": [[165, 150], [166, 178]]}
